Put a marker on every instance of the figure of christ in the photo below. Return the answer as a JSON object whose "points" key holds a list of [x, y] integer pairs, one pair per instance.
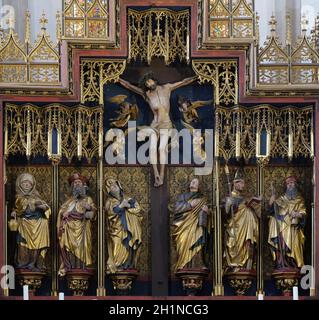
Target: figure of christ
{"points": [[158, 98]]}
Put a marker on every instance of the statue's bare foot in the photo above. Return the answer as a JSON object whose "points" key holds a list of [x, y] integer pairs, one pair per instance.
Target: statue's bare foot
{"points": [[158, 181]]}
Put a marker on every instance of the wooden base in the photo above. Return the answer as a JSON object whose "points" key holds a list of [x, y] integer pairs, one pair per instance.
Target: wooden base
{"points": [[192, 280], [33, 279], [241, 280], [286, 279], [78, 281], [123, 281]]}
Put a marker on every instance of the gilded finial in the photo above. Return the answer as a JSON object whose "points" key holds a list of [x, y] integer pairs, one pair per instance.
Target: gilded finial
{"points": [[304, 24], [273, 24], [27, 27], [288, 29], [43, 21], [58, 26], [257, 28], [11, 23], [316, 33], [1, 34]]}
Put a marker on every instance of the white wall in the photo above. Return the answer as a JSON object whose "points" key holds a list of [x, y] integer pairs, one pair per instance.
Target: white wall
{"points": [[311, 9], [280, 8], [50, 8], [16, 9], [265, 9], [36, 8]]}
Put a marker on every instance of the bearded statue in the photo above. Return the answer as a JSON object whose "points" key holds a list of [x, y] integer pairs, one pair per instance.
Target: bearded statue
{"points": [[286, 237], [74, 227]]}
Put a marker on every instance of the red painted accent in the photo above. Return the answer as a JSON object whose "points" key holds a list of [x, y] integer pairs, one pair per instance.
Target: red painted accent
{"points": [[316, 266], [287, 294], [166, 298], [2, 209]]}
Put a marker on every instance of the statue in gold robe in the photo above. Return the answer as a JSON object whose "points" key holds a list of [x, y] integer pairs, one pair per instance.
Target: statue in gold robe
{"points": [[241, 234], [286, 237], [190, 228], [124, 228], [74, 227], [32, 224]]}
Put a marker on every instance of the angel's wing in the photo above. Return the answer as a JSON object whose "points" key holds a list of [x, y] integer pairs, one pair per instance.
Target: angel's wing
{"points": [[118, 99], [121, 121], [134, 111], [198, 104]]}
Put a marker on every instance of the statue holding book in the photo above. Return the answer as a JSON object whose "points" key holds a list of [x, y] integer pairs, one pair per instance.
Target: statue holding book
{"points": [[241, 234]]}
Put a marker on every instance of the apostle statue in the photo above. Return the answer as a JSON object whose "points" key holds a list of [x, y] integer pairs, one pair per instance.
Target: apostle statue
{"points": [[31, 221], [286, 237], [241, 234], [124, 228], [74, 227], [158, 98], [190, 228]]}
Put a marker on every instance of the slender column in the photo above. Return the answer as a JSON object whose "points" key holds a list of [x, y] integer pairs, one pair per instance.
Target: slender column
{"points": [[101, 232], [101, 291], [261, 162], [218, 256], [3, 206], [316, 196], [313, 238], [218, 248], [54, 234], [5, 228]]}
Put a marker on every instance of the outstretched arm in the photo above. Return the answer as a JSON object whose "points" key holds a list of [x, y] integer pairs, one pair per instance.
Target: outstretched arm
{"points": [[183, 83], [131, 87]]}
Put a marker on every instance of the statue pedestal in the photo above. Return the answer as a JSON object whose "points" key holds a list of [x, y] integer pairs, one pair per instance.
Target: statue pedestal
{"points": [[123, 280], [33, 279], [286, 279], [192, 280], [241, 280], [78, 280]]}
